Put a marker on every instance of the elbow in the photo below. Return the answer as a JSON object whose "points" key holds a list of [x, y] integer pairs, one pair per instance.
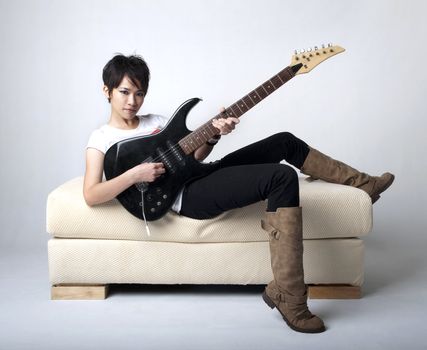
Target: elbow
{"points": [[88, 199], [90, 204]]}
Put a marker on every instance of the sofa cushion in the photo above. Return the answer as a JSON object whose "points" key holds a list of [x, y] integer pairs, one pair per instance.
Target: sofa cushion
{"points": [[99, 261], [329, 211]]}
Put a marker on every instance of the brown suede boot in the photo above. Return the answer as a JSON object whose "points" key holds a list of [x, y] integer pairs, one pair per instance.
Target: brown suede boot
{"points": [[320, 166], [288, 292]]}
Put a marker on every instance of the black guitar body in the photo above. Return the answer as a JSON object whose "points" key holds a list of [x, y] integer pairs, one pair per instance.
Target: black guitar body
{"points": [[163, 147]]}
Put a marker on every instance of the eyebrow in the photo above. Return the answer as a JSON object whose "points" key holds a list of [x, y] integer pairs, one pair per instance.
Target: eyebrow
{"points": [[125, 88]]}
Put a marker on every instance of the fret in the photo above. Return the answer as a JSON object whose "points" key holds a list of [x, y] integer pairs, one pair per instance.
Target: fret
{"points": [[249, 95], [267, 87], [193, 142], [257, 94], [281, 80], [285, 74], [248, 101], [184, 145], [243, 105], [235, 114], [237, 105], [199, 136], [213, 129], [230, 112], [261, 92], [265, 90], [243, 101], [276, 81], [205, 135], [274, 86]]}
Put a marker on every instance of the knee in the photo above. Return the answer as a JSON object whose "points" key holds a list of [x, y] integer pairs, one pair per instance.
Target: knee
{"points": [[285, 174], [284, 136], [284, 191]]}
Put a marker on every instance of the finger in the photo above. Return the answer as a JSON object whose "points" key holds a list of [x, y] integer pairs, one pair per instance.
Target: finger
{"points": [[218, 124]]}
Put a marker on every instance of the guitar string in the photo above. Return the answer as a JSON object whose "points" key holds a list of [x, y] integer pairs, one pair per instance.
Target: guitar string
{"points": [[173, 147]]}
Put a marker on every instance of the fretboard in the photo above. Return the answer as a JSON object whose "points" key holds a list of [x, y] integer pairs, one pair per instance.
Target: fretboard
{"points": [[198, 137]]}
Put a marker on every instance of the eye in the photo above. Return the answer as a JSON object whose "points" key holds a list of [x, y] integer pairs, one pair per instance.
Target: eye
{"points": [[124, 92], [140, 94]]}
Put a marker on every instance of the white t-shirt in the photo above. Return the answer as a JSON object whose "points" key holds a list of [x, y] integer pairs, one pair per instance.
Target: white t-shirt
{"points": [[106, 136]]}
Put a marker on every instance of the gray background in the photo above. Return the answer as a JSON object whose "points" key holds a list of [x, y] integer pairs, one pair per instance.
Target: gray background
{"points": [[365, 106]]}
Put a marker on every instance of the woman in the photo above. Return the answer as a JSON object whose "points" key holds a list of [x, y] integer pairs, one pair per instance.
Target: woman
{"points": [[246, 176]]}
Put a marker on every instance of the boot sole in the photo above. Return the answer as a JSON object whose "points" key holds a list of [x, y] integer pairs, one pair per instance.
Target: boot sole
{"points": [[272, 305], [377, 196]]}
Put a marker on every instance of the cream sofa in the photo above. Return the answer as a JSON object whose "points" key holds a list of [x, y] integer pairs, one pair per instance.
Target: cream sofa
{"points": [[92, 247]]}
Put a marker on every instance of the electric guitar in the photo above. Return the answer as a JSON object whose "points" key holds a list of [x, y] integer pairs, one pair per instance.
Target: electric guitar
{"points": [[174, 144]]}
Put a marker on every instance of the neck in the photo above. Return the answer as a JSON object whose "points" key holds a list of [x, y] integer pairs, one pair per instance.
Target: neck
{"points": [[121, 123], [199, 136]]}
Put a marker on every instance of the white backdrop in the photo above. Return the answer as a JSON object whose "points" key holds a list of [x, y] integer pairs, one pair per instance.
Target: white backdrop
{"points": [[365, 106]]}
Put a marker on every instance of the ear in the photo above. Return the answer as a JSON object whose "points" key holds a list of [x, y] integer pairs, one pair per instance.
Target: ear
{"points": [[106, 91]]}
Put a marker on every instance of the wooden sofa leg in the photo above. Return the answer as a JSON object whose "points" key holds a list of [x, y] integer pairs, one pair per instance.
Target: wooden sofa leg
{"points": [[79, 291], [334, 291]]}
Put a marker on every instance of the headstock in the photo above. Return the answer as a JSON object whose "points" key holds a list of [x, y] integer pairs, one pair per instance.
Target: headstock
{"points": [[312, 57]]}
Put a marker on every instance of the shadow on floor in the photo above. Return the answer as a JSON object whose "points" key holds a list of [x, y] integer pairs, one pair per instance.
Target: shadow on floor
{"points": [[126, 289]]}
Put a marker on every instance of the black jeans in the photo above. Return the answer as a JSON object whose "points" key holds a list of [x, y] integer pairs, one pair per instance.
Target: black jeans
{"points": [[248, 175]]}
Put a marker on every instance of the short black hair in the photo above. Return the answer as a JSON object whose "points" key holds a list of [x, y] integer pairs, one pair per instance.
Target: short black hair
{"points": [[120, 65]]}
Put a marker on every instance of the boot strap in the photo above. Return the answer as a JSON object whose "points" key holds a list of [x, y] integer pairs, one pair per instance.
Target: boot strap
{"points": [[291, 298], [295, 299], [272, 231]]}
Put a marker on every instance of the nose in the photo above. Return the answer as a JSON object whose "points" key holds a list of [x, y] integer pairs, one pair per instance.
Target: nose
{"points": [[131, 100]]}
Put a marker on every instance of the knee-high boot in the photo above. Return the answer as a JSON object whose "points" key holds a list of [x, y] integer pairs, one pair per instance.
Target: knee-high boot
{"points": [[288, 292], [321, 166]]}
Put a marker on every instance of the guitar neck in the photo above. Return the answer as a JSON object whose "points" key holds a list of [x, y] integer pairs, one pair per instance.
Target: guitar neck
{"points": [[205, 132]]}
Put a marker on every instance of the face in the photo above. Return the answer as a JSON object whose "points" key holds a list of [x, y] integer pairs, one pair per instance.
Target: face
{"points": [[126, 99]]}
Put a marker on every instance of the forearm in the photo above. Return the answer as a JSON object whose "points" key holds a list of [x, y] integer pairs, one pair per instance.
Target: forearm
{"points": [[202, 152], [105, 191]]}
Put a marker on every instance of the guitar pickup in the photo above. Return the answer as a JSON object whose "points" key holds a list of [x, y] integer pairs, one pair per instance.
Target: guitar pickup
{"points": [[176, 151], [166, 160]]}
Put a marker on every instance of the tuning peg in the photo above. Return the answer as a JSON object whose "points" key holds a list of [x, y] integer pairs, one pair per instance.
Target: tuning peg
{"points": [[330, 45], [323, 46], [309, 49], [296, 52], [302, 50], [315, 47]]}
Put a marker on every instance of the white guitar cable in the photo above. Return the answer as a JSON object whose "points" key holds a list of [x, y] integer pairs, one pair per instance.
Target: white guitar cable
{"points": [[143, 213]]}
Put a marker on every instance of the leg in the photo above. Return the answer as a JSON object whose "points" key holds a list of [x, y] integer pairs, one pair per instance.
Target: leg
{"points": [[273, 149], [285, 146], [288, 291], [238, 186], [79, 292], [320, 166]]}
